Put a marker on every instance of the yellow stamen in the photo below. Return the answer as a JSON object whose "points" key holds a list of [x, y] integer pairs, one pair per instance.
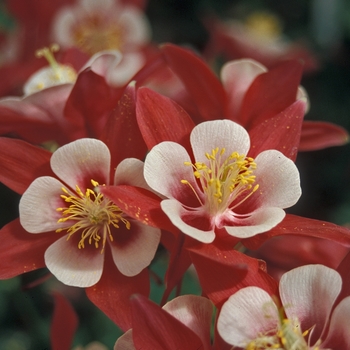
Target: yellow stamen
{"points": [[60, 73], [93, 215], [94, 34], [224, 179]]}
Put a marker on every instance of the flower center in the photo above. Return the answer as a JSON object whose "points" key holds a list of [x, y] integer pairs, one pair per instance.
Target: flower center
{"points": [[288, 336], [224, 180], [96, 34], [264, 25], [93, 214]]}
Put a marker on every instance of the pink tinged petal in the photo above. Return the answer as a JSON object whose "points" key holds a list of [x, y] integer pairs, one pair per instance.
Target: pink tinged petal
{"points": [[81, 161], [73, 266], [137, 251], [319, 135], [261, 220], [278, 179], [338, 337], [130, 64], [125, 342], [236, 77], [219, 133], [130, 172], [38, 205], [21, 251], [164, 170], [103, 62], [193, 223], [308, 293], [195, 312], [64, 324], [246, 314]]}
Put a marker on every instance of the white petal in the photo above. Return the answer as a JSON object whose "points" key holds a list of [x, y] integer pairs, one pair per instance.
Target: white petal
{"points": [[62, 27], [137, 30], [338, 336], [47, 77], [259, 221], [38, 205], [236, 77], [103, 62], [278, 179], [73, 266], [176, 212], [245, 315], [130, 172], [164, 170], [125, 342], [133, 255], [226, 134], [130, 64], [308, 293], [81, 161]]}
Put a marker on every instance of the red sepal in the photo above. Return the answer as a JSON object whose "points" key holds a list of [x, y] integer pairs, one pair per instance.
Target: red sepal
{"points": [[121, 133], [319, 135], [64, 324], [271, 93], [179, 261], [89, 103], [223, 272], [140, 204], [22, 251], [162, 119], [298, 225], [155, 329], [202, 84], [281, 132], [22, 163], [344, 270], [112, 292]]}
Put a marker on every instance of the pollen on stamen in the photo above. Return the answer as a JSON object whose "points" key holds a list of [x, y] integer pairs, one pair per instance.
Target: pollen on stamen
{"points": [[91, 214]]}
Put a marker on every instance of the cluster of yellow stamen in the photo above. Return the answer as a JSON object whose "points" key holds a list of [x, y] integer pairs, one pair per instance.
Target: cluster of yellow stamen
{"points": [[95, 34], [93, 214], [288, 336], [224, 179]]}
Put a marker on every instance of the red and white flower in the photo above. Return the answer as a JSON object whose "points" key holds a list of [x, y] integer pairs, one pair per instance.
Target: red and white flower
{"points": [[87, 224], [104, 25], [306, 316], [223, 188]]}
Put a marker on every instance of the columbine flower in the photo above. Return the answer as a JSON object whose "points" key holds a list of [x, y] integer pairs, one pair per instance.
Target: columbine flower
{"points": [[223, 188], [87, 224], [259, 37], [252, 319], [104, 25]]}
